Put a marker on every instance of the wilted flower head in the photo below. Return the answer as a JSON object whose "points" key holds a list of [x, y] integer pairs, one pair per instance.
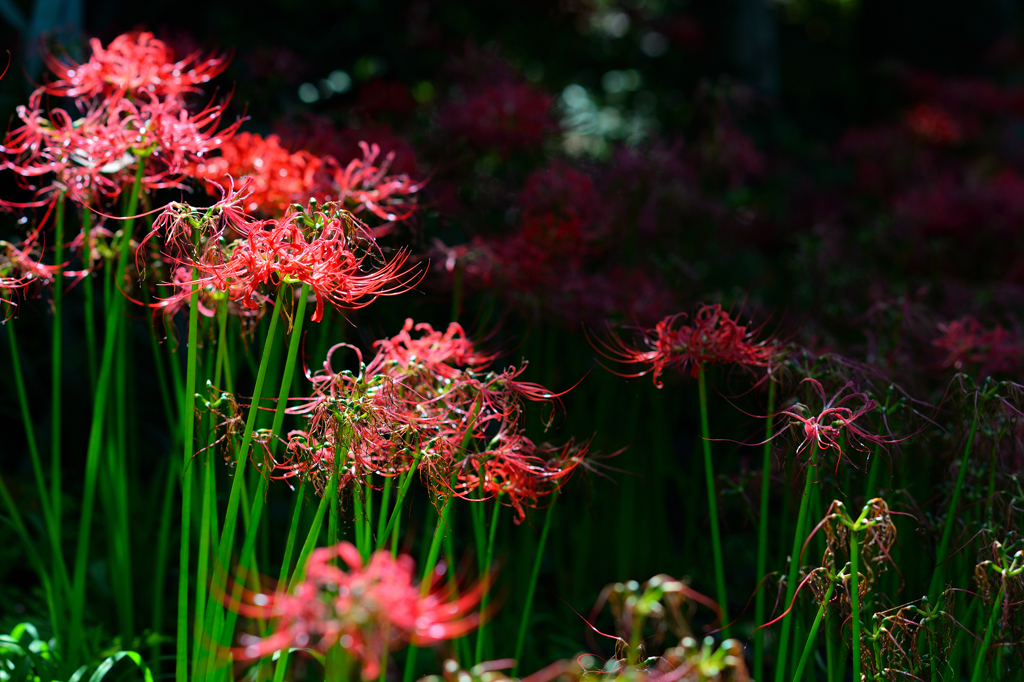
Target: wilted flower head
{"points": [[368, 609], [132, 63]]}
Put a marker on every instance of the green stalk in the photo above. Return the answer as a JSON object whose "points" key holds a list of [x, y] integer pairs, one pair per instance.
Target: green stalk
{"points": [[92, 459], [300, 573], [188, 432], [90, 333], [259, 498], [762, 536], [709, 475], [873, 473], [947, 531], [403, 488], [289, 545], [385, 498], [794, 567], [830, 652], [484, 598], [227, 541], [60, 575], [160, 564], [809, 646], [855, 602], [428, 574], [56, 355], [532, 587], [979, 662]]}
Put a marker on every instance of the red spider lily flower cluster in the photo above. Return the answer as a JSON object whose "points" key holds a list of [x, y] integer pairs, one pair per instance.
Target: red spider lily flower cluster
{"points": [[281, 178], [933, 124], [679, 341], [368, 610], [129, 111], [131, 63], [430, 402], [837, 417], [326, 248], [20, 267], [965, 341]]}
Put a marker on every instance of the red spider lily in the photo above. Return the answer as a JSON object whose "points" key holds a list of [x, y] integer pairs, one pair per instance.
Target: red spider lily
{"points": [[824, 429], [327, 249], [98, 153], [712, 336], [19, 269], [966, 341], [132, 63], [367, 610], [441, 354], [428, 402], [281, 178]]}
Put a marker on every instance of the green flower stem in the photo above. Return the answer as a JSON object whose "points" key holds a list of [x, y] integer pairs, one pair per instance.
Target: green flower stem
{"points": [[56, 355], [532, 586], [979, 660], [429, 565], [188, 432], [90, 325], [709, 475], [93, 452], [160, 563], [247, 561], [938, 576], [873, 473], [241, 458], [403, 488], [484, 598], [385, 498], [289, 545], [300, 574], [809, 646], [794, 566], [59, 578], [855, 602], [762, 535], [830, 652]]}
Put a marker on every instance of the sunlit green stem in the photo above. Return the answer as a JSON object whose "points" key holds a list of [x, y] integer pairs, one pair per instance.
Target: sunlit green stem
{"points": [[855, 602], [532, 586], [56, 356], [433, 555], [979, 661], [794, 565], [762, 535], [87, 281], [92, 458], [187, 438], [300, 573], [484, 599], [947, 532], [809, 646], [403, 489], [709, 475]]}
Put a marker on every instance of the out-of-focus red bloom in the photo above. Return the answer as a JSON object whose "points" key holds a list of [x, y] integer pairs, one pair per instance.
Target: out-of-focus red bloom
{"points": [[505, 117], [712, 336], [282, 178], [367, 610], [385, 97], [965, 341], [132, 63], [279, 178], [934, 125]]}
